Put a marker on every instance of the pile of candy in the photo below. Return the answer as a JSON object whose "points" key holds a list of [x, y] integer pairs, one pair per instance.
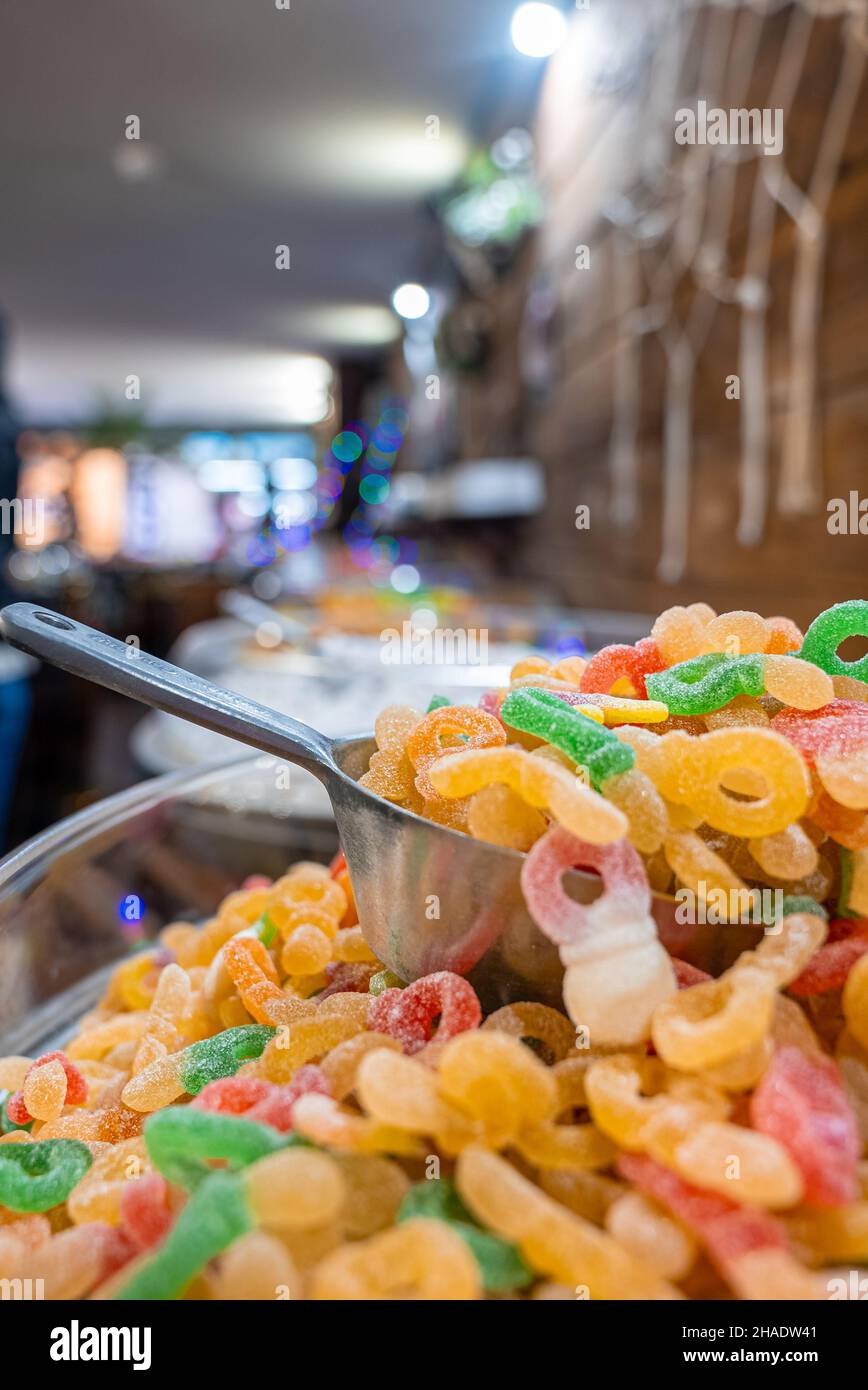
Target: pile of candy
{"points": [[259, 1110]]}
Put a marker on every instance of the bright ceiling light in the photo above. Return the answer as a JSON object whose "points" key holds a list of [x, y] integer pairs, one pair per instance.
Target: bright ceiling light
{"points": [[411, 301], [349, 152], [231, 475], [307, 382], [293, 474], [203, 384], [342, 324], [537, 30]]}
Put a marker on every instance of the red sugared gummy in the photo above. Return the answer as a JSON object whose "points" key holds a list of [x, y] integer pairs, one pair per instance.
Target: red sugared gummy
{"points": [[840, 928], [846, 825], [17, 1111], [829, 968], [409, 1015], [564, 920], [381, 1009], [686, 974], [801, 1102], [262, 1101], [347, 977], [231, 1095], [275, 1111], [620, 662], [276, 1108], [76, 1086], [118, 1248], [725, 1229], [491, 701], [145, 1214], [256, 881], [840, 727]]}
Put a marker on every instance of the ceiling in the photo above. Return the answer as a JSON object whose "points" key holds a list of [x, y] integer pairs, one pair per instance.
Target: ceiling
{"points": [[265, 127]]}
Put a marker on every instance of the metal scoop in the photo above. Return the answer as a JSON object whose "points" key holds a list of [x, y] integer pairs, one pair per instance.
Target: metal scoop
{"points": [[428, 898]]}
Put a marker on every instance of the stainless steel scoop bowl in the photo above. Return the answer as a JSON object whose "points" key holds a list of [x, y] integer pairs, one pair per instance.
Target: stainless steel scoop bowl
{"points": [[429, 898]]}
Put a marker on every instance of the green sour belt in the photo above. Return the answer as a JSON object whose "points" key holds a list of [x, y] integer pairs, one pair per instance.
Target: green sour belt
{"points": [[544, 715], [180, 1140], [215, 1216], [221, 1055]]}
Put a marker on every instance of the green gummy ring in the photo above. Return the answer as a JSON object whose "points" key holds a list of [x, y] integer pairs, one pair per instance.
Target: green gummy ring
{"points": [[829, 630], [38, 1176], [221, 1055], [544, 715], [179, 1140], [435, 1197], [437, 702], [706, 683], [215, 1216], [793, 903], [501, 1265]]}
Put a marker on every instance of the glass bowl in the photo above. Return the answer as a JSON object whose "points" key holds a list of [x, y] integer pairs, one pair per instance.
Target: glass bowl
{"points": [[86, 892], [80, 897]]}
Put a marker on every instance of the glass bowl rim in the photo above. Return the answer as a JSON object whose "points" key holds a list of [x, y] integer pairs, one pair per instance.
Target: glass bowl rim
{"points": [[141, 796]]}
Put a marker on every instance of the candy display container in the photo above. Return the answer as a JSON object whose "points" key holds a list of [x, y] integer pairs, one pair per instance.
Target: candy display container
{"points": [[75, 900], [78, 898], [228, 1064]]}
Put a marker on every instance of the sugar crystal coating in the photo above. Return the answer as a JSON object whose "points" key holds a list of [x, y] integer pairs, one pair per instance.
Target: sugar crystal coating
{"points": [[258, 1103]]}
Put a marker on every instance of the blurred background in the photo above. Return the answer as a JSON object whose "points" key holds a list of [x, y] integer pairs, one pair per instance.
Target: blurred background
{"points": [[350, 351]]}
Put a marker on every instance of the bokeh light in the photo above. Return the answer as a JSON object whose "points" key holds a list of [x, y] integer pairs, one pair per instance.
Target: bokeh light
{"points": [[411, 301], [289, 474], [268, 634], [537, 30], [347, 446], [408, 550], [260, 551], [387, 549], [294, 509], [424, 618], [374, 489], [405, 579], [293, 538]]}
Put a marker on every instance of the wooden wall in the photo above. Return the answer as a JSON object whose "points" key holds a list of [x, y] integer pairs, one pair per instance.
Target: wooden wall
{"points": [[585, 142]]}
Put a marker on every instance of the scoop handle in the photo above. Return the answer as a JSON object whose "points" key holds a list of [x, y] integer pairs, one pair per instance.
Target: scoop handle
{"points": [[122, 666]]}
